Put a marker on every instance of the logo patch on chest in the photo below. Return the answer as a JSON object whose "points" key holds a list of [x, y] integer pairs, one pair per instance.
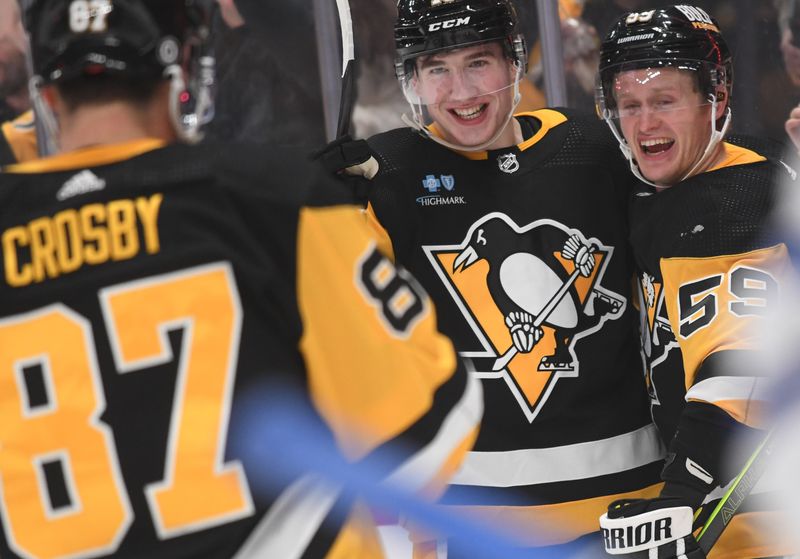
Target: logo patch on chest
{"points": [[529, 294], [439, 190], [508, 163]]}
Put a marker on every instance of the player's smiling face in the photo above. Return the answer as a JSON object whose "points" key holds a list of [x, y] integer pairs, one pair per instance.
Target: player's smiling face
{"points": [[665, 121], [469, 93]]}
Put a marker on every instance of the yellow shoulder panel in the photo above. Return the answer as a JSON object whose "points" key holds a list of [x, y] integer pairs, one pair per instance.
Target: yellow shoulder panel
{"points": [[20, 134], [719, 303], [372, 351], [736, 155]]}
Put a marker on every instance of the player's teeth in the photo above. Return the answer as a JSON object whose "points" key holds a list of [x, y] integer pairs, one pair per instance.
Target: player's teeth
{"points": [[470, 113], [655, 142]]}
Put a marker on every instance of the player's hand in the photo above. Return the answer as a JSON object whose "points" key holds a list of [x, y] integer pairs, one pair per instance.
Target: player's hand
{"points": [[348, 156], [580, 254], [793, 127], [524, 333], [643, 528]]}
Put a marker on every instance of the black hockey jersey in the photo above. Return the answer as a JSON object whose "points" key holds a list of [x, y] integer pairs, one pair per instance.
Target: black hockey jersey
{"points": [[146, 292], [566, 428], [710, 267], [18, 140]]}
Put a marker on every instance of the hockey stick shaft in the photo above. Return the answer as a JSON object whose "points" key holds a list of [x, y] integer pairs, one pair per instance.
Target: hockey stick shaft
{"points": [[732, 501], [347, 99]]}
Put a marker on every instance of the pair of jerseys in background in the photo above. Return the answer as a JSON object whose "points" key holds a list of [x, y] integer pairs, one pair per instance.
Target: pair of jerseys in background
{"points": [[584, 444], [567, 427]]}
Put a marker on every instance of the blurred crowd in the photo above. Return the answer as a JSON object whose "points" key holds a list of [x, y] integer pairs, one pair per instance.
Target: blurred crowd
{"points": [[269, 71]]}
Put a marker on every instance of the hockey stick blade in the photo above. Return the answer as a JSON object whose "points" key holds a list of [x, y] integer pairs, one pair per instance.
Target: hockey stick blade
{"points": [[732, 501]]}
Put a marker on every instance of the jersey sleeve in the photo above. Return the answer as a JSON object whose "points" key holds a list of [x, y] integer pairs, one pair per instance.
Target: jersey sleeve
{"points": [[717, 307], [381, 234], [378, 369]]}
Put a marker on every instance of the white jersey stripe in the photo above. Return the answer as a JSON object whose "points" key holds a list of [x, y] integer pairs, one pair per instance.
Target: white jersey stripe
{"points": [[421, 468], [717, 389], [563, 463], [292, 521]]}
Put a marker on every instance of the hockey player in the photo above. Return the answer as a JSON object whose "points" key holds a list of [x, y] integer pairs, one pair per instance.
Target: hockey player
{"points": [[146, 285], [710, 269], [515, 224]]}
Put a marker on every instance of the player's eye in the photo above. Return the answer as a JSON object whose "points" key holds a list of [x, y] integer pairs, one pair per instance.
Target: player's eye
{"points": [[630, 109], [664, 104], [436, 71]]}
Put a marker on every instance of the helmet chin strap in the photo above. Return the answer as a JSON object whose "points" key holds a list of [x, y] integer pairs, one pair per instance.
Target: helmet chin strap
{"points": [[715, 137], [415, 121]]}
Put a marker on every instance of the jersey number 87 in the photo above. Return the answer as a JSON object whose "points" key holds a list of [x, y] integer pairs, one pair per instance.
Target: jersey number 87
{"points": [[198, 489]]}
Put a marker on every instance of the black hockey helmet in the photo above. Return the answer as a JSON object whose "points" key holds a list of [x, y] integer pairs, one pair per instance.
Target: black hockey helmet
{"points": [[429, 26], [135, 38], [680, 36]]}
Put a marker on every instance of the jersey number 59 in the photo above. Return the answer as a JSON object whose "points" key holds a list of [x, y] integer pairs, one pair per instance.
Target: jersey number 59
{"points": [[750, 292]]}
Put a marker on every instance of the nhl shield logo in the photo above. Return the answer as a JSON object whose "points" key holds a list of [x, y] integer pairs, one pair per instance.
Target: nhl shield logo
{"points": [[508, 163]]}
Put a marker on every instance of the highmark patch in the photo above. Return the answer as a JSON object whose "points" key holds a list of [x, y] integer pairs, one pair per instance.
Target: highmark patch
{"points": [[441, 200]]}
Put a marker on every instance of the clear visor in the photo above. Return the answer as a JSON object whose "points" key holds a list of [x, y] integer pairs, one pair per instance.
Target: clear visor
{"points": [[470, 92], [629, 92], [635, 94]]}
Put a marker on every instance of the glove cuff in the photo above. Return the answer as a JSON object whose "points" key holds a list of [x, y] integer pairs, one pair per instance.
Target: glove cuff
{"points": [[645, 531]]}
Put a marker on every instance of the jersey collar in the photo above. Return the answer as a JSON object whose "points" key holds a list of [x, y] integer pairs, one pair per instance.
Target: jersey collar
{"points": [[93, 156], [736, 155], [548, 119]]}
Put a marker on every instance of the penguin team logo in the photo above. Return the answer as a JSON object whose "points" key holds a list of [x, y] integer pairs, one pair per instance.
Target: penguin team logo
{"points": [[529, 294], [657, 336]]}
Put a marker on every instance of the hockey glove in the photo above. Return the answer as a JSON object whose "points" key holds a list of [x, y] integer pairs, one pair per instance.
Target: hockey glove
{"points": [[349, 156], [650, 528], [352, 161]]}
